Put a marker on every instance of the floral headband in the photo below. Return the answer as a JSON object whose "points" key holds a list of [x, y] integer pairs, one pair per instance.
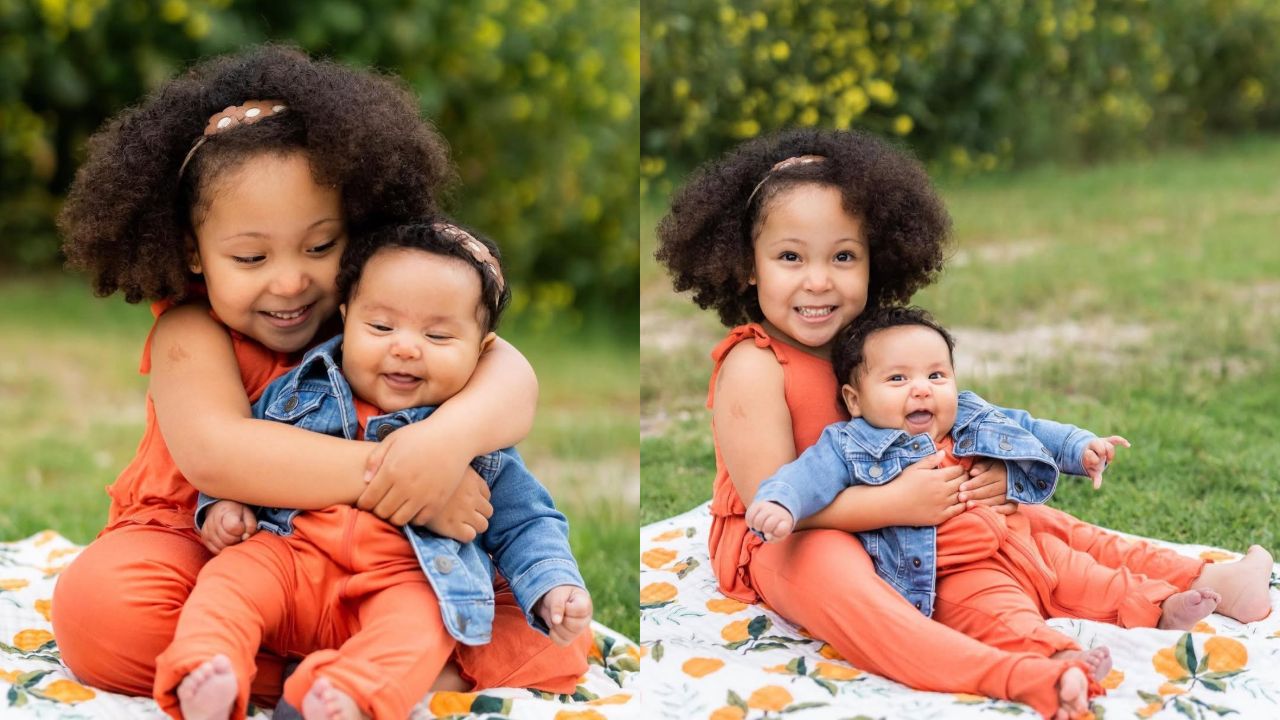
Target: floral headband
{"points": [[234, 116], [783, 165], [479, 252]]}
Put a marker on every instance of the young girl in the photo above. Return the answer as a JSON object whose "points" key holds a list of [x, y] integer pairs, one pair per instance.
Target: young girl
{"points": [[259, 165], [789, 238], [375, 609]]}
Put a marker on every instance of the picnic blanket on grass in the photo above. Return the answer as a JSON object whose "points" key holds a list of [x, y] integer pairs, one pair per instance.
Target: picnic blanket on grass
{"points": [[707, 656], [35, 684]]}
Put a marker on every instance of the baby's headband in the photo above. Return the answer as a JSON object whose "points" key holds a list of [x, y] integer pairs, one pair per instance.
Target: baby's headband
{"points": [[234, 116], [478, 251], [783, 165]]}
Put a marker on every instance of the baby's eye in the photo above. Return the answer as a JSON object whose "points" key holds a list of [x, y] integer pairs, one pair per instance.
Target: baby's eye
{"points": [[248, 259], [379, 327], [897, 378], [937, 375], [438, 338], [322, 249], [789, 256]]}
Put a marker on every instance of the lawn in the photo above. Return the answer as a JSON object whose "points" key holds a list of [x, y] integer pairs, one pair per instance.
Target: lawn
{"points": [[1138, 298], [71, 403]]}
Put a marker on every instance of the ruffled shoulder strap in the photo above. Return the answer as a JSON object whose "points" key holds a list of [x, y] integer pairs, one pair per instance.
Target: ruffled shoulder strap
{"points": [[751, 331]]}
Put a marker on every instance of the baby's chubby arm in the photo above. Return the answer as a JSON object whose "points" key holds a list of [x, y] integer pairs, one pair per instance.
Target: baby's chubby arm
{"points": [[223, 523], [1098, 454], [800, 488], [1076, 451]]}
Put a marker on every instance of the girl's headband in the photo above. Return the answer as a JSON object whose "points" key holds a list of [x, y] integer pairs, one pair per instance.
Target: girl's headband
{"points": [[479, 252], [783, 165], [234, 116]]}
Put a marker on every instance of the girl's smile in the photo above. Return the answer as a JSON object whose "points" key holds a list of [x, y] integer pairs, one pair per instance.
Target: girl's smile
{"points": [[812, 266]]}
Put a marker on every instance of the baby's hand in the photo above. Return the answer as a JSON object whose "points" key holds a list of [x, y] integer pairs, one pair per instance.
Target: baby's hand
{"points": [[770, 519], [566, 609], [1098, 454], [226, 523]]}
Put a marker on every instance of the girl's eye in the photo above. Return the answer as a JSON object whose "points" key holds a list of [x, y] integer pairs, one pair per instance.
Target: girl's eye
{"points": [[248, 259], [789, 257], [845, 256], [322, 249]]}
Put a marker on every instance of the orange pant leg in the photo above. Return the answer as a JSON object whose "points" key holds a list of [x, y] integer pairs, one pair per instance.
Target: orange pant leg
{"points": [[985, 602], [1112, 550], [824, 581], [244, 597], [519, 656], [1089, 590], [116, 606]]}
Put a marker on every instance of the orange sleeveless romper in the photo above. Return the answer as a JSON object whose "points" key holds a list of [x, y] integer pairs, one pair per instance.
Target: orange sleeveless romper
{"points": [[149, 556], [824, 581]]}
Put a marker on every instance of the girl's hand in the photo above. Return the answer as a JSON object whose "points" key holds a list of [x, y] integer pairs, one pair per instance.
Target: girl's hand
{"points": [[227, 523], [928, 495], [987, 484], [412, 474], [770, 519], [1098, 454], [566, 609]]}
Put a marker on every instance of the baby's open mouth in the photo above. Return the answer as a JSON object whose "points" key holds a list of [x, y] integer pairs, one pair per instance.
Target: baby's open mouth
{"points": [[919, 417]]}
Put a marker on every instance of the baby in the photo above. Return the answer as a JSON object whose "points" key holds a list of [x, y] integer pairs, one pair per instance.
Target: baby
{"points": [[991, 578], [420, 303]]}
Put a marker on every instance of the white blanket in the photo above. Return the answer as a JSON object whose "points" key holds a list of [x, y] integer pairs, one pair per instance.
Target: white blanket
{"points": [[706, 656], [35, 684]]}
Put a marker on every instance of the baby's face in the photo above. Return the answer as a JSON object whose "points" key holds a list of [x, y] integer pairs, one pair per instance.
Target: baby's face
{"points": [[413, 329], [906, 381]]}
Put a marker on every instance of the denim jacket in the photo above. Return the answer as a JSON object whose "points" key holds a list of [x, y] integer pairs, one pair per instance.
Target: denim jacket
{"points": [[855, 453], [528, 539]]}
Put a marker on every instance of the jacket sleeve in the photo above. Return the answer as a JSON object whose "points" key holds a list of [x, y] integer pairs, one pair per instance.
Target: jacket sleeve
{"points": [[1066, 442], [528, 538], [810, 482]]}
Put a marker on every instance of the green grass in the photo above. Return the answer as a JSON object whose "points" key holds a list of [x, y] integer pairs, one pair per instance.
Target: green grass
{"points": [[1169, 268], [72, 405]]}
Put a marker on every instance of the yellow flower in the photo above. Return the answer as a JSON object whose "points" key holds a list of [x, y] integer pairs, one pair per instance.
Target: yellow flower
{"points": [[701, 667], [45, 608], [67, 691], [831, 671], [770, 698], [618, 699], [735, 631], [778, 670], [1225, 654], [10, 676], [725, 606], [1151, 709], [13, 584], [657, 557], [657, 592], [728, 712], [579, 715], [1166, 663], [830, 653], [881, 91], [780, 50], [967, 699], [670, 534], [1170, 689], [903, 124], [1204, 627], [29, 640], [1113, 679], [451, 703], [1215, 556]]}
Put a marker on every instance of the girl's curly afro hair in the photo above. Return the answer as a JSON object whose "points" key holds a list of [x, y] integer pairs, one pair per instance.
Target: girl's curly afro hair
{"points": [[706, 240], [129, 212]]}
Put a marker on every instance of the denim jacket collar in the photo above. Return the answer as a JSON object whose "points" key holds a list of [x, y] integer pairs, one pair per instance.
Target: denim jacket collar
{"points": [[877, 441]]}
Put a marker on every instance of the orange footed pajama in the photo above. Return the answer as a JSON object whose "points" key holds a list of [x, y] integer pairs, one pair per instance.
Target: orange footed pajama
{"points": [[873, 628]]}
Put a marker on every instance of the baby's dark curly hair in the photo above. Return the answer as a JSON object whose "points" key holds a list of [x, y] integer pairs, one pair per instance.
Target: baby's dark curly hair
{"points": [[848, 352], [706, 240], [129, 213], [438, 236]]}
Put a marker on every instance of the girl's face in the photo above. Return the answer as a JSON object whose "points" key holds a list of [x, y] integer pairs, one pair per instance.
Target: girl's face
{"points": [[812, 267], [268, 246], [413, 329]]}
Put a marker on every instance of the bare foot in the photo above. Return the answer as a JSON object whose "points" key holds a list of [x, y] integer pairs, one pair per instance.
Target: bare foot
{"points": [[209, 691], [1183, 610], [450, 678], [1073, 694], [326, 702], [1098, 659], [1245, 585]]}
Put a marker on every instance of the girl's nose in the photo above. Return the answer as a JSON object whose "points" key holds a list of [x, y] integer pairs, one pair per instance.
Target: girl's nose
{"points": [[289, 281], [817, 279]]}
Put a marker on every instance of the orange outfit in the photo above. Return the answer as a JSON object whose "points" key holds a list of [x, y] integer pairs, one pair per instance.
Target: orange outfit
{"points": [[996, 583], [115, 608], [855, 611]]}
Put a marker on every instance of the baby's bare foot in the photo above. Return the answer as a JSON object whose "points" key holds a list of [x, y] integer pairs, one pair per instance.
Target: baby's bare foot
{"points": [[209, 691], [1073, 694], [1245, 585], [1098, 659], [326, 702], [1183, 610]]}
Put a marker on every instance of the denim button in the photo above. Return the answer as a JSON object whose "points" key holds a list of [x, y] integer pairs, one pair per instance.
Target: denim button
{"points": [[915, 561], [915, 445], [1041, 484], [462, 621], [443, 564], [384, 430], [291, 403], [1004, 443], [875, 471], [919, 606], [966, 443], [1017, 486]]}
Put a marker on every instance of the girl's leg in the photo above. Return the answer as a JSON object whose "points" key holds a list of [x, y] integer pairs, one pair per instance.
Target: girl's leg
{"points": [[243, 596], [824, 581], [116, 606], [397, 648], [520, 656]]}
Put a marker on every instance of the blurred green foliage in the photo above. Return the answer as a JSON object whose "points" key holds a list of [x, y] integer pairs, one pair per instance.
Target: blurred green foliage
{"points": [[970, 85], [537, 99]]}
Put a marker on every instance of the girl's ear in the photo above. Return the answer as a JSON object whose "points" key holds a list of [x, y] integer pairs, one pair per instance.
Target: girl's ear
{"points": [[850, 395], [193, 259], [342, 310], [487, 342]]}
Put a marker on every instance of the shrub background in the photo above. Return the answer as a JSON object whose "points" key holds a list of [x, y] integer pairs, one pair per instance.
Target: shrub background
{"points": [[971, 85], [537, 98]]}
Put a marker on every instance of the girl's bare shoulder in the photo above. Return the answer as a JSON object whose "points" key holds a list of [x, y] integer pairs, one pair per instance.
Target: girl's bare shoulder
{"points": [[747, 367]]}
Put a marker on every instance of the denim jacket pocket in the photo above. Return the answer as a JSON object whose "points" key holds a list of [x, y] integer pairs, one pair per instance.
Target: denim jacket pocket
{"points": [[870, 471], [288, 407]]}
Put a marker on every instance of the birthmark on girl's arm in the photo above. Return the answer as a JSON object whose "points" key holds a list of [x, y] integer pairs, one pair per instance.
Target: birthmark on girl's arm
{"points": [[736, 410], [178, 354]]}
